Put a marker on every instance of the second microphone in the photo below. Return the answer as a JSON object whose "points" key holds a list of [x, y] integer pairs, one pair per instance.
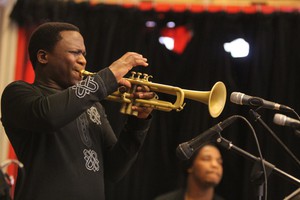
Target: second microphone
{"points": [[185, 150]]}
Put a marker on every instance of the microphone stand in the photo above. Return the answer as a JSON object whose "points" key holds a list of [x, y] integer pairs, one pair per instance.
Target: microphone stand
{"points": [[269, 166], [257, 117]]}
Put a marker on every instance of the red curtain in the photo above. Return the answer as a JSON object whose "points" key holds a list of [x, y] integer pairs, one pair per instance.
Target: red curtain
{"points": [[24, 70], [181, 36], [163, 7]]}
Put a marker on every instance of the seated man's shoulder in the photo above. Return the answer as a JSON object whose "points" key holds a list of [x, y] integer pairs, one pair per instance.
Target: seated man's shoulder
{"points": [[179, 195], [217, 197]]}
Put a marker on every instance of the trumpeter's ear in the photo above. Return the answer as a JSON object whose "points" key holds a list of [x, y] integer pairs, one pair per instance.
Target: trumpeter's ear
{"points": [[42, 56]]}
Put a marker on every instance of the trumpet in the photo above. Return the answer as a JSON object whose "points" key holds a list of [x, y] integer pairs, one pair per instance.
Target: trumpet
{"points": [[215, 98]]}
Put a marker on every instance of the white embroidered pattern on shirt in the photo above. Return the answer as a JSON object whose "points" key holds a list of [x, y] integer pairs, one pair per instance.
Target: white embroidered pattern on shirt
{"points": [[91, 158], [83, 127], [94, 115], [85, 87]]}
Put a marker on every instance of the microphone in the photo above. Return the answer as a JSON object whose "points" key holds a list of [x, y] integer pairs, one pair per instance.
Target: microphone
{"points": [[283, 120], [243, 99], [185, 150]]}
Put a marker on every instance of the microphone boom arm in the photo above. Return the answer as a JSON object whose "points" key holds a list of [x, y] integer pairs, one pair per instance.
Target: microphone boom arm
{"points": [[257, 117], [229, 146]]}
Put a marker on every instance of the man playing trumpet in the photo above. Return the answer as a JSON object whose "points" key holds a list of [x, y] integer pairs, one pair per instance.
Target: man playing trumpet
{"points": [[57, 125]]}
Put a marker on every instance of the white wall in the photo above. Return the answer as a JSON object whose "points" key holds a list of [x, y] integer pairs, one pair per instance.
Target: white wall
{"points": [[8, 42]]}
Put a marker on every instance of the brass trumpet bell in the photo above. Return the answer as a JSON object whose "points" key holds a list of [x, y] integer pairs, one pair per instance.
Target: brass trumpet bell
{"points": [[215, 98]]}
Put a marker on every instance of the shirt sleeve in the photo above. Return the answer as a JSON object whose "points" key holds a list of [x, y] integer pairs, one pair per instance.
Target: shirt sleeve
{"points": [[123, 154], [38, 109]]}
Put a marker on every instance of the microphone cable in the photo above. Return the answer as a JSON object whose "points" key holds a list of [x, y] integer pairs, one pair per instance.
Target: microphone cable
{"points": [[259, 152], [295, 113]]}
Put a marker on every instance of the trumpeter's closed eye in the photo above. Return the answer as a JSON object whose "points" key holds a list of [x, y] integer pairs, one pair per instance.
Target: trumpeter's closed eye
{"points": [[77, 52]]}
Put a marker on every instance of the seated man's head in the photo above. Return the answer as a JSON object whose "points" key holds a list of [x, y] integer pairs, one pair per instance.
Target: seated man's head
{"points": [[205, 168]]}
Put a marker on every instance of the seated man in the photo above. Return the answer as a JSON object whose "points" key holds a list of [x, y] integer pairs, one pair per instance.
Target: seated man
{"points": [[204, 172]]}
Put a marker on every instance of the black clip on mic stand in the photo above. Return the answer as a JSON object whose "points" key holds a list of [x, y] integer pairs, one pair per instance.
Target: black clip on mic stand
{"points": [[269, 166], [4, 187], [257, 176], [257, 117], [6, 182]]}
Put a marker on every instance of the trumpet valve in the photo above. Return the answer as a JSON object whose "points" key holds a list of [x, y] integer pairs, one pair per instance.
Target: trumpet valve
{"points": [[133, 74], [139, 74], [145, 77]]}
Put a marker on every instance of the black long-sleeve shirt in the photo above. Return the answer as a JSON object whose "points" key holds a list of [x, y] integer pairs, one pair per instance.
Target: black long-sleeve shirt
{"points": [[65, 141]]}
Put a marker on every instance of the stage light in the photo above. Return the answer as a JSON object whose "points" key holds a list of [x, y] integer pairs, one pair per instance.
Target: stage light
{"points": [[168, 42], [150, 24], [238, 48]]}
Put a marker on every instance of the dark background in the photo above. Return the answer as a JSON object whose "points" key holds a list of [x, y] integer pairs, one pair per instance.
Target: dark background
{"points": [[270, 71]]}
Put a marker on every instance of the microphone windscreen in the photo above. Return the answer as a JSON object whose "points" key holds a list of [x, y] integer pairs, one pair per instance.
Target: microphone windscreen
{"points": [[236, 97], [184, 151], [279, 119]]}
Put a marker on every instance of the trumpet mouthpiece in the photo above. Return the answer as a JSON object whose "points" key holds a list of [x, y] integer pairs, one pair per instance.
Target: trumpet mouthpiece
{"points": [[86, 73]]}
